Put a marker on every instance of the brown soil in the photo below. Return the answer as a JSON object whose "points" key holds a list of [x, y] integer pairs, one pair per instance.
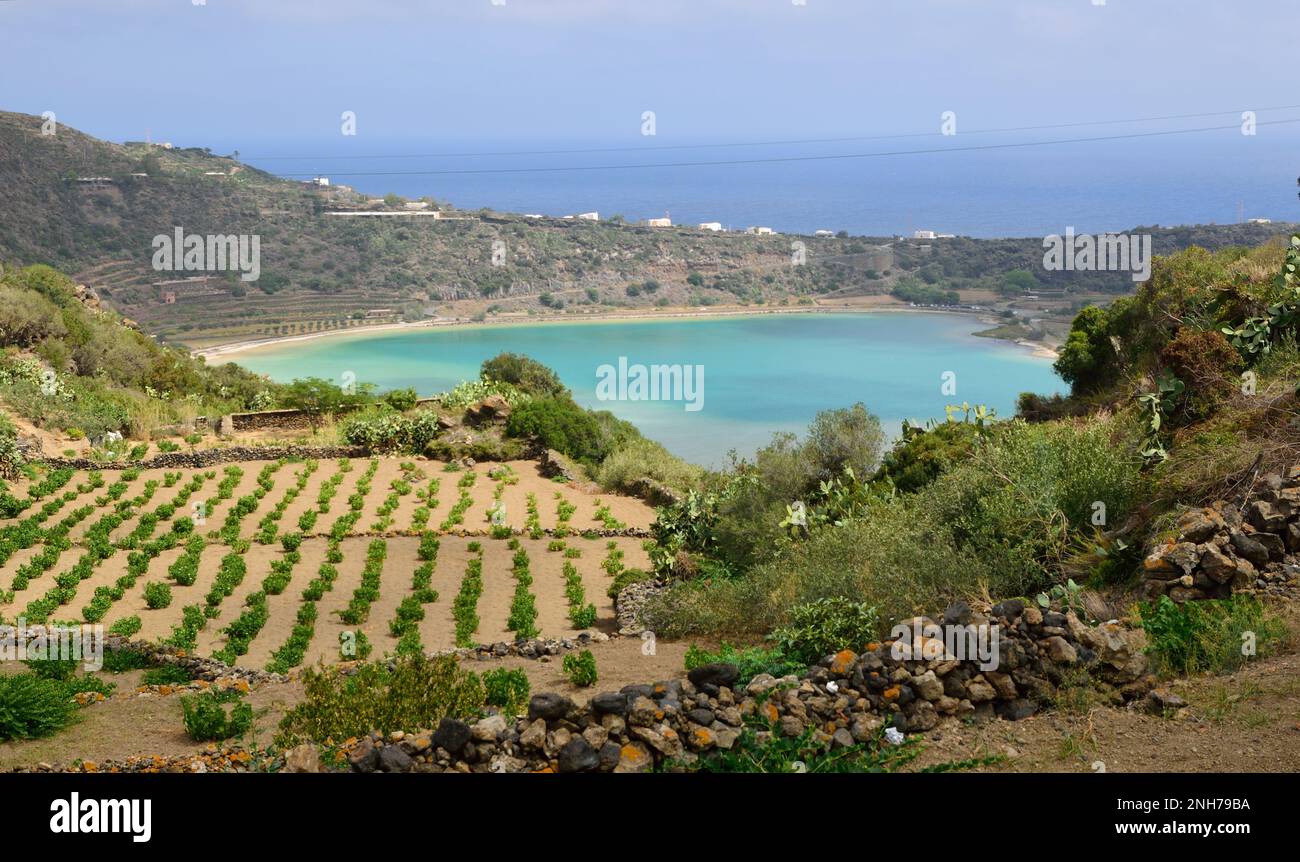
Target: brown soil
{"points": [[130, 724], [1248, 721]]}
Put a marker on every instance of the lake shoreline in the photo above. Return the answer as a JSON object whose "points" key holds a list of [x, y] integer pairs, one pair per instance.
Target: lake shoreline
{"points": [[1039, 349]]}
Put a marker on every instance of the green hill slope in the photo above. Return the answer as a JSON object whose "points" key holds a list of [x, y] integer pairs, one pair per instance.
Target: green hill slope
{"points": [[321, 272]]}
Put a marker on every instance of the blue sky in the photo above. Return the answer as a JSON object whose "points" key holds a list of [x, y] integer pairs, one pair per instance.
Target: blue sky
{"points": [[232, 73]]}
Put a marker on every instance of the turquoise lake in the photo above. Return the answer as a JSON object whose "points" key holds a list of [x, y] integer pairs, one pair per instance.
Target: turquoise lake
{"points": [[761, 373]]}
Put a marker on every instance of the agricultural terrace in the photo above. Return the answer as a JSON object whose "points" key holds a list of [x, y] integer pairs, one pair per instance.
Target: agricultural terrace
{"points": [[276, 564]]}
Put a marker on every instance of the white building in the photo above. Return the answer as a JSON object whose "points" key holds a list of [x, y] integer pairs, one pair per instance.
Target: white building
{"points": [[824, 233], [589, 216], [924, 234], [416, 205], [762, 231], [659, 222], [1259, 221], [711, 225]]}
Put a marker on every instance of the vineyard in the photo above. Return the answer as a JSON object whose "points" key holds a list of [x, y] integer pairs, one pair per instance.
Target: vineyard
{"points": [[277, 564]]}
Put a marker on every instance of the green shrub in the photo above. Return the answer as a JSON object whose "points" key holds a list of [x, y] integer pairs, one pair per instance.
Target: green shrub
{"points": [[750, 660], [206, 719], [167, 674], [560, 424], [126, 627], [528, 374], [1211, 635], [583, 616], [646, 459], [626, 578], [60, 669], [123, 660], [507, 689], [920, 455], [826, 626], [1001, 520], [580, 668], [157, 595], [33, 706], [416, 692]]}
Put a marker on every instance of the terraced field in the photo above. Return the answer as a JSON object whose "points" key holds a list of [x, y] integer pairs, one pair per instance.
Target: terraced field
{"points": [[275, 564]]}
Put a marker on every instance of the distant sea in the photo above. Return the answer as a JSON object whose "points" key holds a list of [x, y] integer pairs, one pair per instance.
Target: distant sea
{"points": [[762, 373], [1200, 178]]}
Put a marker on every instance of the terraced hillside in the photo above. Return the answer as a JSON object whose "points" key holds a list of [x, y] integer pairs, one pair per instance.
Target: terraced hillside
{"points": [[275, 564]]}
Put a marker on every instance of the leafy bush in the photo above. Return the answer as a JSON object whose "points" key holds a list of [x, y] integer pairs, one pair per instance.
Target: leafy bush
{"points": [[59, 669], [560, 424], [750, 660], [1088, 360], [33, 706], [1211, 635], [10, 458], [645, 459], [1000, 520], [127, 626], [528, 374], [416, 692], [580, 668], [206, 719], [826, 626], [507, 689], [626, 578], [157, 595], [921, 454], [167, 674], [383, 429]]}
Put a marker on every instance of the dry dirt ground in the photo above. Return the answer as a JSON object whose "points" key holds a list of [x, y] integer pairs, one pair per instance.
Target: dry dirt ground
{"points": [[1248, 721], [131, 724]]}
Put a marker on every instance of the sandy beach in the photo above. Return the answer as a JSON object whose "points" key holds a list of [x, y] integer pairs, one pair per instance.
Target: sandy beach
{"points": [[224, 350]]}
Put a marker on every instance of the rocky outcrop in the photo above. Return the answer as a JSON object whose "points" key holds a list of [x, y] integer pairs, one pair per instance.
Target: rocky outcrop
{"points": [[1226, 548], [491, 410]]}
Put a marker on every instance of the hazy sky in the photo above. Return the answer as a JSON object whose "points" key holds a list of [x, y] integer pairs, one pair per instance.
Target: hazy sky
{"points": [[230, 73]]}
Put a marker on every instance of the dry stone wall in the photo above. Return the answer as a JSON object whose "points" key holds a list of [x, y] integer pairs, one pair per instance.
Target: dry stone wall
{"points": [[1229, 547], [847, 698]]}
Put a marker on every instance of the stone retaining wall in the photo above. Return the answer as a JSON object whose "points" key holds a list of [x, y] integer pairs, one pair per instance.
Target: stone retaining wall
{"points": [[1226, 547], [211, 457], [845, 699]]}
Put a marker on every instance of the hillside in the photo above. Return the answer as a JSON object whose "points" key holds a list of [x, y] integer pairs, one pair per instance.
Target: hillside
{"points": [[1126, 540], [321, 272]]}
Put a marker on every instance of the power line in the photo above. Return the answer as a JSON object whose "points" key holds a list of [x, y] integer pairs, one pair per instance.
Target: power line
{"points": [[839, 140], [781, 159]]}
